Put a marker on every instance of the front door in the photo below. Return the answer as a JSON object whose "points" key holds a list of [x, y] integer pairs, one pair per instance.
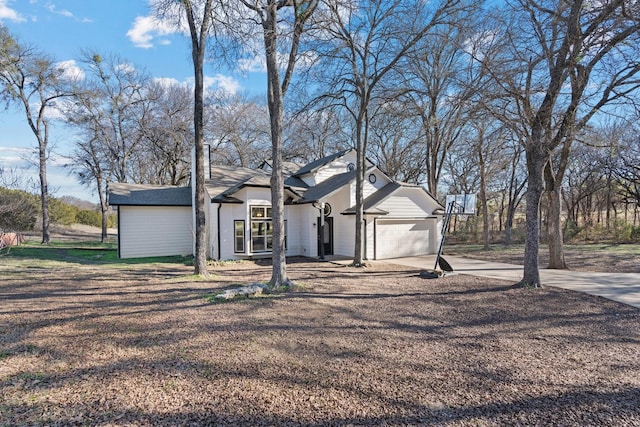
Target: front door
{"points": [[327, 236]]}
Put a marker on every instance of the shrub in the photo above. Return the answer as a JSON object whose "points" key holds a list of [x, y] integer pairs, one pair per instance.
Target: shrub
{"points": [[18, 210]]}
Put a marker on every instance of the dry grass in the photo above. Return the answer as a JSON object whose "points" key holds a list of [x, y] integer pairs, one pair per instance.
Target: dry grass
{"points": [[608, 258], [91, 344]]}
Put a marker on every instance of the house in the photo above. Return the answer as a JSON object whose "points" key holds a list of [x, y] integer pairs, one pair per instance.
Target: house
{"points": [[400, 219]]}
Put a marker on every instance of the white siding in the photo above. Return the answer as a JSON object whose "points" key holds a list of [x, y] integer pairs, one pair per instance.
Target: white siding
{"points": [[369, 188], [336, 167], [408, 203], [343, 225], [369, 239], [296, 239], [155, 231], [301, 238], [229, 212]]}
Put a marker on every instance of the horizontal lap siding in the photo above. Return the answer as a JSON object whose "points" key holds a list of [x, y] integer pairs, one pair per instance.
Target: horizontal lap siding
{"points": [[155, 231]]}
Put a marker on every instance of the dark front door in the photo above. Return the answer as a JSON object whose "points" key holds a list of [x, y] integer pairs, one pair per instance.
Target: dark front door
{"points": [[326, 238]]}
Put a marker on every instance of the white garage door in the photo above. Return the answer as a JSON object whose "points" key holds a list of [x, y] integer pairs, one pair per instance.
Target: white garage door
{"points": [[400, 238]]}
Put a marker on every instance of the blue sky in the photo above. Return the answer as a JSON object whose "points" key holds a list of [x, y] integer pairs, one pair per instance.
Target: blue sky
{"points": [[62, 28]]}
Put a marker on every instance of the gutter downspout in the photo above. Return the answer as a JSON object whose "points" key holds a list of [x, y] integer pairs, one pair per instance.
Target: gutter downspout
{"points": [[119, 242], [375, 238], [219, 240]]}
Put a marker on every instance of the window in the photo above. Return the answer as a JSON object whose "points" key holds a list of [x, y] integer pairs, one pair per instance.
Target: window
{"points": [[238, 235], [261, 229]]}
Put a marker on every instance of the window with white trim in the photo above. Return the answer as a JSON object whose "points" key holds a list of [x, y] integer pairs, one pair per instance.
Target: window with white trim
{"points": [[261, 229], [238, 236]]}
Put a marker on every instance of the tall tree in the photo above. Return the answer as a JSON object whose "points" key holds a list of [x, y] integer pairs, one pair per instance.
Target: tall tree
{"points": [[33, 81], [362, 43], [106, 113], [279, 20], [92, 168], [565, 62], [444, 85], [238, 130], [201, 23], [167, 135], [113, 101], [200, 20]]}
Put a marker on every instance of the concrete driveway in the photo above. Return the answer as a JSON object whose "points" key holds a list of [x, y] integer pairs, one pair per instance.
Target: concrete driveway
{"points": [[621, 287]]}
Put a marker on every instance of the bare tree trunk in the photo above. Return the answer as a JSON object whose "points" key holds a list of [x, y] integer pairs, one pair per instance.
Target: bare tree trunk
{"points": [[483, 199], [275, 102], [104, 213], [44, 193], [200, 262], [104, 210], [198, 48], [554, 230], [535, 165], [360, 151]]}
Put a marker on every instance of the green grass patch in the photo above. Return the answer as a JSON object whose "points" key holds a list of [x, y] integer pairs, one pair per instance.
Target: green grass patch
{"points": [[80, 253]]}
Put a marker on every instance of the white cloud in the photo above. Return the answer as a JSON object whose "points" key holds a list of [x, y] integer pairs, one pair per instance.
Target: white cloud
{"points": [[168, 81], [256, 64], [8, 13], [225, 83], [126, 67], [70, 70], [52, 8], [146, 28], [219, 82], [15, 156]]}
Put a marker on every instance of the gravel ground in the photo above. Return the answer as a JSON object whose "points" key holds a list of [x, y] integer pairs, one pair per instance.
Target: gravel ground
{"points": [[143, 345]]}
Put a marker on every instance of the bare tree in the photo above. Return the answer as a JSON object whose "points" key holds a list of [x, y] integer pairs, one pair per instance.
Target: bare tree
{"points": [[623, 165], [444, 87], [396, 144], [90, 164], [167, 135], [312, 134], [238, 129], [564, 62], [116, 102], [362, 43], [279, 21], [34, 82], [201, 22]]}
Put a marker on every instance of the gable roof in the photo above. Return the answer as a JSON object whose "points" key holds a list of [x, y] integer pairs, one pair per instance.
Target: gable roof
{"points": [[327, 187], [370, 203], [123, 194], [310, 167], [228, 180], [288, 168]]}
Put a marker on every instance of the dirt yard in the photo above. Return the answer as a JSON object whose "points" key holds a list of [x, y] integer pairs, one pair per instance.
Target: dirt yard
{"points": [[595, 257], [143, 345]]}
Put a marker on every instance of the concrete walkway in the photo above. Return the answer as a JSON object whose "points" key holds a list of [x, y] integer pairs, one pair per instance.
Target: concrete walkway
{"points": [[621, 287]]}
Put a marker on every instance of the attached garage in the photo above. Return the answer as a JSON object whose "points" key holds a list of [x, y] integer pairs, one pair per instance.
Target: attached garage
{"points": [[395, 238], [152, 220], [145, 231]]}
